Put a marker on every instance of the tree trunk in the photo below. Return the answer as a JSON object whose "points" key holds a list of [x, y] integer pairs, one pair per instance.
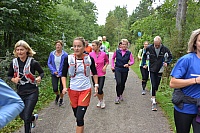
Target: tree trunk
{"points": [[181, 14], [180, 23]]}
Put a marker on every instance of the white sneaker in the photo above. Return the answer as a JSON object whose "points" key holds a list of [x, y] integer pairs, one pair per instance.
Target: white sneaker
{"points": [[99, 104], [103, 105]]}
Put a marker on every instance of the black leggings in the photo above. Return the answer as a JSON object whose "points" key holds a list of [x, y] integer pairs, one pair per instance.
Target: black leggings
{"points": [[79, 113], [155, 82], [145, 76], [101, 81], [26, 115], [184, 121], [55, 81], [120, 78]]}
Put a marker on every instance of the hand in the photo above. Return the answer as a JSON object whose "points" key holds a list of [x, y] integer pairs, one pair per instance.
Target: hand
{"points": [[164, 64], [112, 68], [96, 91], [145, 66], [38, 79], [56, 73], [16, 79], [104, 69], [64, 91], [126, 65]]}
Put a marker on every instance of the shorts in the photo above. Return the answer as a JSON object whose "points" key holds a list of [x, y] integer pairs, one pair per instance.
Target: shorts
{"points": [[79, 98]]}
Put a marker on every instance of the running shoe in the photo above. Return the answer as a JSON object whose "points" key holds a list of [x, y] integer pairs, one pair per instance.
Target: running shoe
{"points": [[154, 108], [34, 121], [99, 104], [117, 100], [103, 105], [121, 98], [143, 92], [61, 102], [57, 98]]}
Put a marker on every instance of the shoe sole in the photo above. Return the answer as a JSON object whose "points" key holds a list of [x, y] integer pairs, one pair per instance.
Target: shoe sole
{"points": [[154, 109]]}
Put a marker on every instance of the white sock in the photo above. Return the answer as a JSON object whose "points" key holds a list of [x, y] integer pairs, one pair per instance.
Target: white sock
{"points": [[153, 100]]}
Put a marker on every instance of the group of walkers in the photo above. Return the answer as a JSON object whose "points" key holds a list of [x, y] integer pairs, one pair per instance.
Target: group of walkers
{"points": [[86, 62]]}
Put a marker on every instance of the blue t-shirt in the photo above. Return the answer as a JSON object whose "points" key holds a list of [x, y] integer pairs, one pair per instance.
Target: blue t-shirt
{"points": [[188, 67]]}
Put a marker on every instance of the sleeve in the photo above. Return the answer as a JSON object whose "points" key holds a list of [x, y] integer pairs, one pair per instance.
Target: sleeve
{"points": [[49, 63], [140, 53], [65, 67], [113, 60], [144, 57], [180, 68], [131, 60], [169, 59], [92, 66], [108, 45], [106, 59], [38, 68], [10, 104], [10, 71]]}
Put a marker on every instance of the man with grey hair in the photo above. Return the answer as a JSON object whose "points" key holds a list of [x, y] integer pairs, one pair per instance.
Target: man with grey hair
{"points": [[159, 57]]}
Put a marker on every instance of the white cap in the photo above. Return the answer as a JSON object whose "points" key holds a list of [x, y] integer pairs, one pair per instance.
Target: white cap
{"points": [[99, 38]]}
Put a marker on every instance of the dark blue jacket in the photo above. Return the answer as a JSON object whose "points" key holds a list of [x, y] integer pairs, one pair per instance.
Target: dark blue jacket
{"points": [[121, 61]]}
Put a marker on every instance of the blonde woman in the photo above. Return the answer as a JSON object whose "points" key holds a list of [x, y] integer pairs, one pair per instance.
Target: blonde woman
{"points": [[186, 80], [124, 59], [22, 72]]}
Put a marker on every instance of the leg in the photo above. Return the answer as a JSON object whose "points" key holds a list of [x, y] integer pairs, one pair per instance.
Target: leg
{"points": [[159, 76], [153, 78], [195, 125], [55, 87], [83, 103], [123, 81], [183, 122], [118, 77], [30, 102], [118, 85], [81, 110], [100, 95], [61, 94]]}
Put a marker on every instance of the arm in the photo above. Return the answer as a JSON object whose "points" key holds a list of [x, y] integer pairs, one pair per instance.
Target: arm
{"points": [[11, 74], [139, 54], [131, 60], [169, 59], [106, 63], [49, 63], [10, 105], [113, 60], [95, 76], [64, 75], [180, 83], [39, 69]]}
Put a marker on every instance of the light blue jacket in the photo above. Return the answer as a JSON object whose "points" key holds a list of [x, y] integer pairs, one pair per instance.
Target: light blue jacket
{"points": [[10, 104], [51, 63]]}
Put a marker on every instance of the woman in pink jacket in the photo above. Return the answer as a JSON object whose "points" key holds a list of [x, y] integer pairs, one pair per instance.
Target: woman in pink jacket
{"points": [[101, 62]]}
